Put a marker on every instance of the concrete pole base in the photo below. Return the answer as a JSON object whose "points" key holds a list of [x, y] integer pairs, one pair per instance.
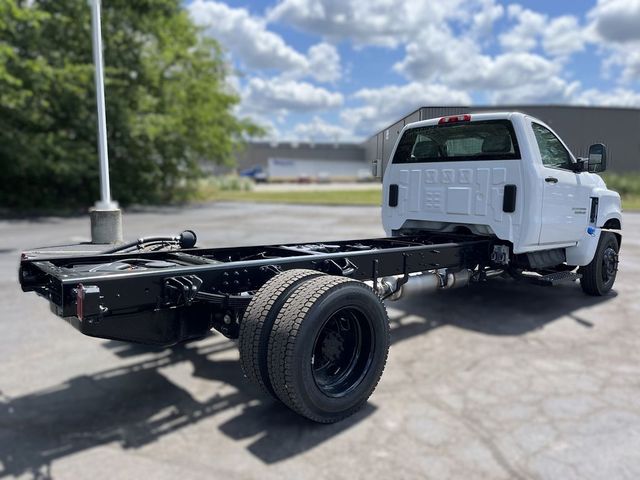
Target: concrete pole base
{"points": [[106, 225]]}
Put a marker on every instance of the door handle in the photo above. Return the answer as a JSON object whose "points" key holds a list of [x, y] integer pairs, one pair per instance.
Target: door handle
{"points": [[551, 180]]}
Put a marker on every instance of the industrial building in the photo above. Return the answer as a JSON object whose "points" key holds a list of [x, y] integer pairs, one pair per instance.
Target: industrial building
{"points": [[579, 127]]}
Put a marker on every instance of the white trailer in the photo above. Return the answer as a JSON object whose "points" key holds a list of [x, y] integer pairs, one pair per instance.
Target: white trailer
{"points": [[292, 170]]}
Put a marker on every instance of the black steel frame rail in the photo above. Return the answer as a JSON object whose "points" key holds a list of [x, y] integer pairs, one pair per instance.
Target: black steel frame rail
{"points": [[232, 270]]}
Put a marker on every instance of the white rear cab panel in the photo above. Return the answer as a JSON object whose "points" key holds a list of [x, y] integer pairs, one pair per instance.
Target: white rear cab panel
{"points": [[466, 193]]}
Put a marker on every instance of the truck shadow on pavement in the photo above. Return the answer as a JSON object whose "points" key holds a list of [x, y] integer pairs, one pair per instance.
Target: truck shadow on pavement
{"points": [[137, 403], [499, 307]]}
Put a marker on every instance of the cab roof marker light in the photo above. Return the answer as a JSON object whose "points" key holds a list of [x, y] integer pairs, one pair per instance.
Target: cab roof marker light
{"points": [[455, 119]]}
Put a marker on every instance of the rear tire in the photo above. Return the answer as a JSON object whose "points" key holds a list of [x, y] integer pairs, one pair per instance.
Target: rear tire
{"points": [[328, 348], [599, 276], [257, 320]]}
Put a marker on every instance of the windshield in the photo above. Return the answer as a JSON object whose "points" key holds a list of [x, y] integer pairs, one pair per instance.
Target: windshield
{"points": [[455, 142]]}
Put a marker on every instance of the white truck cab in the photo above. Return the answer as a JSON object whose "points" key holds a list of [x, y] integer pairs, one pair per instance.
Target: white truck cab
{"points": [[507, 175]]}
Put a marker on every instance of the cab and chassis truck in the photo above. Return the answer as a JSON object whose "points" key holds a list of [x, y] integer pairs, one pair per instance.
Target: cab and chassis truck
{"points": [[465, 198]]}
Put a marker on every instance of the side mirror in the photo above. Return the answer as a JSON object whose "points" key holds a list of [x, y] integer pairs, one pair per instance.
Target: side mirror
{"points": [[597, 158], [376, 168]]}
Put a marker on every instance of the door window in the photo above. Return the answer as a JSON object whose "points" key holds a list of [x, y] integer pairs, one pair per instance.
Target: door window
{"points": [[552, 151]]}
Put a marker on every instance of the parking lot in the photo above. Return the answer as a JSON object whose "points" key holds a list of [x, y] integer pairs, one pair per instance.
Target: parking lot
{"points": [[501, 380]]}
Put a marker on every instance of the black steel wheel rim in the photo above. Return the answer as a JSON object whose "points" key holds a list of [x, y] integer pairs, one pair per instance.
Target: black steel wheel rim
{"points": [[342, 352], [609, 264]]}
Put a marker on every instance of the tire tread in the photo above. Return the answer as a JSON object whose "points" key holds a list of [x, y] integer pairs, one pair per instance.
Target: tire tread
{"points": [[590, 273], [283, 339], [253, 338]]}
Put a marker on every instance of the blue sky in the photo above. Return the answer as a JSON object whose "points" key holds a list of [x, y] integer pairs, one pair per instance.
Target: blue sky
{"points": [[338, 70]]}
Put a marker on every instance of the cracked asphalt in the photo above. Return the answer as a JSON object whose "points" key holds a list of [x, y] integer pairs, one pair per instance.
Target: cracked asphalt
{"points": [[500, 380]]}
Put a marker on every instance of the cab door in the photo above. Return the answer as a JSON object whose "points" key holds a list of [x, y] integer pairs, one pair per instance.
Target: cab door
{"points": [[565, 200]]}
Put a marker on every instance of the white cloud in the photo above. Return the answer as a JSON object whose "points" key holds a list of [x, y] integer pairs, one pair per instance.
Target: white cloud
{"points": [[245, 36], [516, 70], [279, 95], [617, 20], [319, 130], [564, 36], [514, 77], [555, 90], [523, 37], [616, 25], [560, 36], [249, 40], [324, 63], [341, 19], [484, 19], [271, 130], [446, 57], [379, 22], [619, 97], [386, 104], [436, 51], [625, 58]]}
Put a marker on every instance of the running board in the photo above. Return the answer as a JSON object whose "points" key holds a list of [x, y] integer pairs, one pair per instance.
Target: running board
{"points": [[552, 279]]}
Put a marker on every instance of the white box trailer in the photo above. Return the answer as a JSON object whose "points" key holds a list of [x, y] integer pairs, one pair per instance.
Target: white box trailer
{"points": [[292, 170]]}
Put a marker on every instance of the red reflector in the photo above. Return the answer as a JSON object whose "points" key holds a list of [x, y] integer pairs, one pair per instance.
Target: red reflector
{"points": [[455, 119], [80, 302]]}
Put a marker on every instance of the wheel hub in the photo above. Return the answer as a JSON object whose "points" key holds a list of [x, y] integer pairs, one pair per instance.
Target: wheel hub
{"points": [[609, 264], [332, 346], [342, 352]]}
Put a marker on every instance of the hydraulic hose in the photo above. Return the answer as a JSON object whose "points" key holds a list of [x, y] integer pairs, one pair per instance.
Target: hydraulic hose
{"points": [[186, 239]]}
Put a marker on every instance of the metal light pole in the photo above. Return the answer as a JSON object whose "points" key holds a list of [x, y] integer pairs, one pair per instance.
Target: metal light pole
{"points": [[96, 30], [106, 218]]}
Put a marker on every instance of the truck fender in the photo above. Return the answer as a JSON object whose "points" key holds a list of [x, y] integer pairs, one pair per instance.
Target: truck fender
{"points": [[613, 221], [582, 253], [609, 210], [613, 224]]}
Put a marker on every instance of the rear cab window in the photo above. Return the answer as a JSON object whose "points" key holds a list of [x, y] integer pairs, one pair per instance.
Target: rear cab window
{"points": [[458, 142]]}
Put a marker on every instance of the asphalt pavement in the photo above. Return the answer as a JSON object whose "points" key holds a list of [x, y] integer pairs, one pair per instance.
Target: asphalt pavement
{"points": [[499, 381]]}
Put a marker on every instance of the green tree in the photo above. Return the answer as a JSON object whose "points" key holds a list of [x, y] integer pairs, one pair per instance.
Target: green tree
{"points": [[168, 104]]}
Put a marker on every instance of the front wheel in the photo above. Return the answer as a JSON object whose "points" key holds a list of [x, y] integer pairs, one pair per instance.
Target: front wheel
{"points": [[599, 276]]}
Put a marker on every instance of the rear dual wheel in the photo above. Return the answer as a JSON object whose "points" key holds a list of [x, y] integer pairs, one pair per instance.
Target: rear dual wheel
{"points": [[327, 347], [257, 322]]}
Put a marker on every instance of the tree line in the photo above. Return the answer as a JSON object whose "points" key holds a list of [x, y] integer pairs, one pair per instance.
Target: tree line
{"points": [[169, 107]]}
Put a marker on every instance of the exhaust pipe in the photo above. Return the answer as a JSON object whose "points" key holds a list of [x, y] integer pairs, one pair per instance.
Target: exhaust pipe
{"points": [[423, 283], [458, 279]]}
